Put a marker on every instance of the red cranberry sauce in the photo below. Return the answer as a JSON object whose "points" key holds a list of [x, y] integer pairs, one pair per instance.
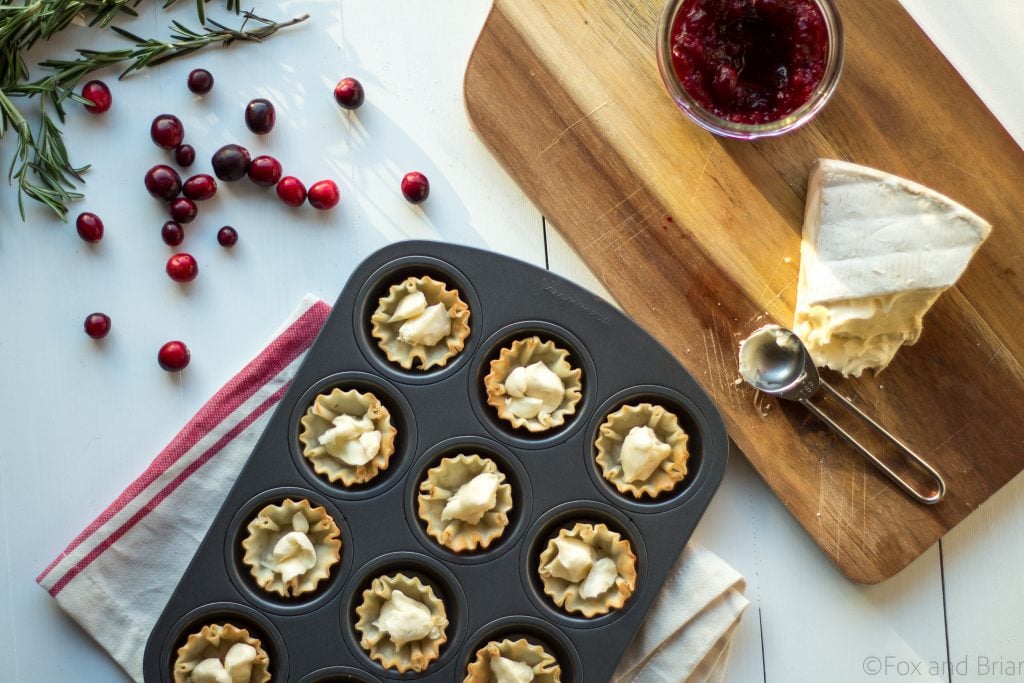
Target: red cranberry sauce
{"points": [[750, 61]]}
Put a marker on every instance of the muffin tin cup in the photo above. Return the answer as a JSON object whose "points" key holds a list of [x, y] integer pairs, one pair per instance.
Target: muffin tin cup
{"points": [[431, 572], [547, 527], [515, 476], [579, 357], [225, 613], [377, 286], [538, 632], [339, 674], [554, 476], [246, 584], [691, 420], [401, 418]]}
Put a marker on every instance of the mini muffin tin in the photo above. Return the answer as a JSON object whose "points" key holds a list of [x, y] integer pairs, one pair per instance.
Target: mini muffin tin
{"points": [[490, 594]]}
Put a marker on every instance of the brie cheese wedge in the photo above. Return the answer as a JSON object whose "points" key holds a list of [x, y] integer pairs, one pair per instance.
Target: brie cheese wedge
{"points": [[877, 251]]}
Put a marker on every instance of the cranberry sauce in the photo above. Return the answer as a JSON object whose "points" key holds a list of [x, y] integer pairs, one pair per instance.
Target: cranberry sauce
{"points": [[750, 61]]}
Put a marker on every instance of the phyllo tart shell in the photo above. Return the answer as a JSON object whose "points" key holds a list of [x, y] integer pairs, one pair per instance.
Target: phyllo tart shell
{"points": [[524, 353], [405, 352], [464, 527], [319, 419], [213, 643], [664, 424], [543, 665], [604, 543], [267, 547], [413, 655]]}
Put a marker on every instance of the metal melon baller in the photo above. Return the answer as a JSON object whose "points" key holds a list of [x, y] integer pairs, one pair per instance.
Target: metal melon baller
{"points": [[775, 361]]}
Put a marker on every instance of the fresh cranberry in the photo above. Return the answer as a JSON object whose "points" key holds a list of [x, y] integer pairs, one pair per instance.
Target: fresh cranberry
{"points": [[231, 162], [291, 191], [750, 61], [349, 93], [173, 356], [90, 227], [227, 236], [163, 182], [98, 93], [182, 267], [97, 325], [184, 155], [182, 210], [415, 187], [200, 81], [324, 195], [260, 116], [167, 131], [172, 234], [199, 187], [265, 171]]}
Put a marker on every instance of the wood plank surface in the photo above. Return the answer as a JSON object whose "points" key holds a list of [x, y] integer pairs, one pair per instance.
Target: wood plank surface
{"points": [[698, 239]]}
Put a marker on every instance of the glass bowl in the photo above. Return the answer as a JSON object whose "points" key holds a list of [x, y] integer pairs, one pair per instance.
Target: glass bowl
{"points": [[750, 131]]}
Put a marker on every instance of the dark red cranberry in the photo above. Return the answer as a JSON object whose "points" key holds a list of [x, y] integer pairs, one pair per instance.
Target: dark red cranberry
{"points": [[98, 93], [163, 182], [199, 187], [184, 155], [182, 210], [90, 227], [182, 267], [200, 81], [231, 162], [173, 356], [291, 191], [97, 325], [260, 116], [349, 93], [324, 195], [265, 171], [227, 236], [167, 131], [172, 234], [415, 187]]}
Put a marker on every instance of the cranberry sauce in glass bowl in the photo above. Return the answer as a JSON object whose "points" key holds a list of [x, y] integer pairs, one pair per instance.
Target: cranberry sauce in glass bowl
{"points": [[750, 68]]}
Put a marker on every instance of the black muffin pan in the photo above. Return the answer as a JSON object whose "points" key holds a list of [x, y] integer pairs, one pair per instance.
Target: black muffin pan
{"points": [[491, 594]]}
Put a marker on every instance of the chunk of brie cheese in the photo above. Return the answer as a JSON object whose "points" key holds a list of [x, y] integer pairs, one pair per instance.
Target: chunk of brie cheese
{"points": [[427, 328], [877, 252], [507, 670], [473, 499], [573, 561], [600, 578], [353, 441], [405, 620], [293, 555], [642, 452], [236, 667], [533, 390]]}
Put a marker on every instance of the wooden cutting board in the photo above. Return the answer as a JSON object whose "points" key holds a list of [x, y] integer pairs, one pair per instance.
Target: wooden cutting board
{"points": [[698, 238]]}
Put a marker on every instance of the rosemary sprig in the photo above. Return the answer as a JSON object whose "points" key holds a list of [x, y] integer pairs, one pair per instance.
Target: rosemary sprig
{"points": [[41, 165]]}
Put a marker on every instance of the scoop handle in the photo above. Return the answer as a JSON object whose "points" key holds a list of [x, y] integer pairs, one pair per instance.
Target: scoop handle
{"points": [[939, 485]]}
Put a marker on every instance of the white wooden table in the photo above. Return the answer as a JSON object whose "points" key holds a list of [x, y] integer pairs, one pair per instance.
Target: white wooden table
{"points": [[81, 419]]}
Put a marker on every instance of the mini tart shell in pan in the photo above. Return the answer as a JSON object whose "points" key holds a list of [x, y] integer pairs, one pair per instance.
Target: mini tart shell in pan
{"points": [[415, 655], [213, 642], [606, 544], [523, 353], [466, 531], [319, 419], [544, 666], [665, 426], [266, 547], [386, 331]]}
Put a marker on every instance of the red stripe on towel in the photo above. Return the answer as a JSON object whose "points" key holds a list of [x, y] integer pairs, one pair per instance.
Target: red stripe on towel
{"points": [[269, 363]]}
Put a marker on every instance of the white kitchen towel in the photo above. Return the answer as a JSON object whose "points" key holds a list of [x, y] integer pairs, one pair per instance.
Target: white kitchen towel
{"points": [[116, 577]]}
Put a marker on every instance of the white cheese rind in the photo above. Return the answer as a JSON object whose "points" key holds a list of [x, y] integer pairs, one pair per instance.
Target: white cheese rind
{"points": [[877, 252]]}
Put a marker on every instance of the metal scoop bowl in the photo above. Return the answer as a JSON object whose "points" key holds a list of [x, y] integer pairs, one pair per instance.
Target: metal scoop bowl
{"points": [[775, 361]]}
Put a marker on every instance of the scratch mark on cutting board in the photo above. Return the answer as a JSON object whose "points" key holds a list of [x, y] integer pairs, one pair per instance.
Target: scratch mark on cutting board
{"points": [[625, 23], [720, 361], [707, 161], [575, 123], [771, 278], [710, 365], [948, 439], [778, 295], [620, 203]]}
